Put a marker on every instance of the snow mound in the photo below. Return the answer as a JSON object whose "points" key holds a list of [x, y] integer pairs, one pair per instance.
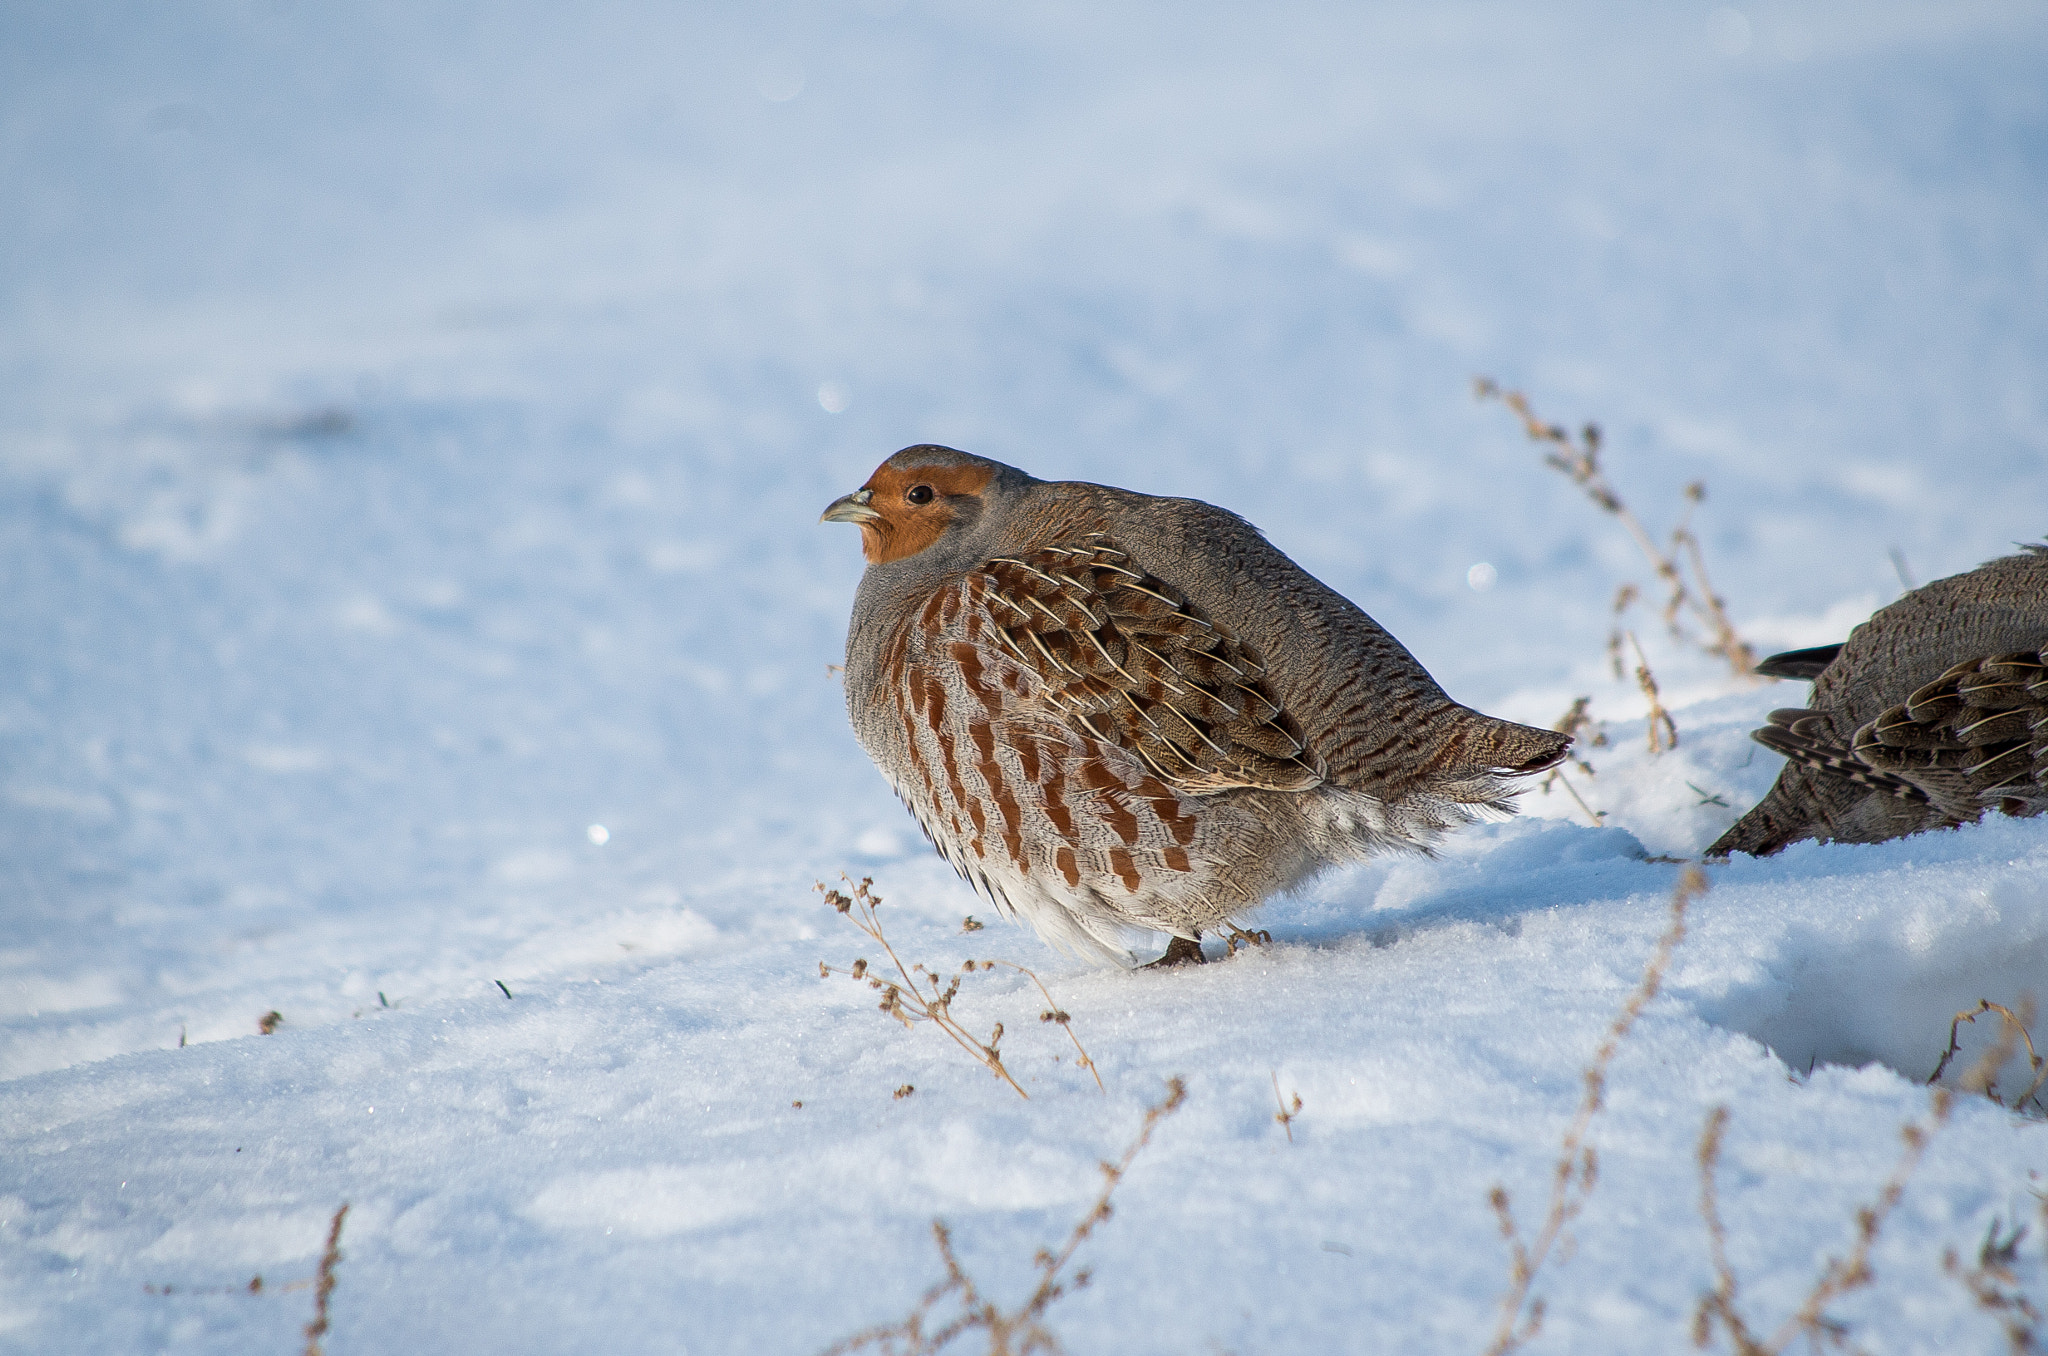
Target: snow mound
{"points": [[1892, 943]]}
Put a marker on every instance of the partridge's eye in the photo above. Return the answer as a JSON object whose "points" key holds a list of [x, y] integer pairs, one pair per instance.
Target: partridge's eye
{"points": [[919, 494]]}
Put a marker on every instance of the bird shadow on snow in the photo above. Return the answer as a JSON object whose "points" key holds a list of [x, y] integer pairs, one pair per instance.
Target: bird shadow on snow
{"points": [[1829, 954], [1878, 993], [1493, 874], [1881, 947]]}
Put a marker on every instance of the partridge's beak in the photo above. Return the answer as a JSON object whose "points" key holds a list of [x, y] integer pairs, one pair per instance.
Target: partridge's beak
{"points": [[851, 508]]}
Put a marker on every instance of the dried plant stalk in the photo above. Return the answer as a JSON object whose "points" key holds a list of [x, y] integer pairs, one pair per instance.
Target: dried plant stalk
{"points": [[1995, 1284], [1838, 1278], [1598, 817], [1841, 1275], [2015, 1024], [919, 994], [1236, 936], [1575, 723], [1022, 1331], [1578, 1167], [323, 1289], [1663, 730], [1580, 462], [1286, 1114]]}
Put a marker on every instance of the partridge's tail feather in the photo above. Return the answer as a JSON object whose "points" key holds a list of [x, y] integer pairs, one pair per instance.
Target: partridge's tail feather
{"points": [[1476, 766], [1805, 665], [1507, 749]]}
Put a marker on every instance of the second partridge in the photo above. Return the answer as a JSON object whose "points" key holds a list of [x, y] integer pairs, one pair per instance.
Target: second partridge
{"points": [[1930, 715]]}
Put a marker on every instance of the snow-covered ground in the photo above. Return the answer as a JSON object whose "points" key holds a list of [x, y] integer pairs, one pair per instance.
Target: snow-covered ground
{"points": [[413, 420]]}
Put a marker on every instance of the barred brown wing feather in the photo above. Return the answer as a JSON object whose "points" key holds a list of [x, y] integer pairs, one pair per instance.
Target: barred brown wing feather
{"points": [[1805, 738], [1124, 657], [1979, 729]]}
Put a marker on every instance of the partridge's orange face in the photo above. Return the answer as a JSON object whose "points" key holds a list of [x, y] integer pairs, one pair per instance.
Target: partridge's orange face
{"points": [[904, 509]]}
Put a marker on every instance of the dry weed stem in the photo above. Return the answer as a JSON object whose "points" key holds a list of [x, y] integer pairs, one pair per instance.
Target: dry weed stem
{"points": [[1578, 1166], [1841, 1275], [1838, 1278], [1995, 1284], [1023, 1331], [1287, 1113], [324, 1288], [1575, 723], [2014, 1025], [1580, 462], [1236, 937], [919, 994], [1659, 717]]}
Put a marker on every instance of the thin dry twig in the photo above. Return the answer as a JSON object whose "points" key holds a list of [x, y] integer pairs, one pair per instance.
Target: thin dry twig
{"points": [[1578, 1167], [919, 994], [1995, 1284], [1841, 1275], [1576, 723], [1838, 1278], [1235, 937], [1599, 817], [1580, 462], [2015, 1024], [1624, 599], [1022, 1331], [1659, 717], [323, 1289], [1287, 1114], [1721, 1301]]}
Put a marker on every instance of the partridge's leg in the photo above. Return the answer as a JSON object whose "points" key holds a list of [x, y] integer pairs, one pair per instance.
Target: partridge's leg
{"points": [[1179, 951]]}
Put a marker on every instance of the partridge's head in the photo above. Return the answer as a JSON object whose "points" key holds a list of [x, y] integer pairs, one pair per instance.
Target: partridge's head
{"points": [[923, 496]]}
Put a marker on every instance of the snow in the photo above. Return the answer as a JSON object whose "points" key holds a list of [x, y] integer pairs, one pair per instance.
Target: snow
{"points": [[414, 423]]}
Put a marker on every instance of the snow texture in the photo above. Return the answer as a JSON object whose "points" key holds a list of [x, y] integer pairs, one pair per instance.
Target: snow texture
{"points": [[413, 419]]}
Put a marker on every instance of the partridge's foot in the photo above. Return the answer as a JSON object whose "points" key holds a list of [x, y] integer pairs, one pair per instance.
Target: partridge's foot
{"points": [[1179, 951]]}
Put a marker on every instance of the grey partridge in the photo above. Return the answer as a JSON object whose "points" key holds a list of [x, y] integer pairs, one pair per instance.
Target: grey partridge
{"points": [[1115, 712], [1930, 714]]}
